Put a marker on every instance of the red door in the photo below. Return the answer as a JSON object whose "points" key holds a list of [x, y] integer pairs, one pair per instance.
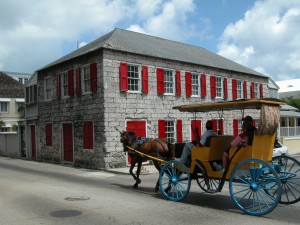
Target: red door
{"points": [[68, 142], [33, 147], [137, 126]]}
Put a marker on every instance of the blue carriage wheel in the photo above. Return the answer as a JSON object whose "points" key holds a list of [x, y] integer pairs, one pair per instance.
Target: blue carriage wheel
{"points": [[174, 181], [288, 170], [255, 187]]}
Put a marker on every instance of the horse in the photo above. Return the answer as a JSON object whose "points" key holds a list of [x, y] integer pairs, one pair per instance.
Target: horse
{"points": [[156, 147]]}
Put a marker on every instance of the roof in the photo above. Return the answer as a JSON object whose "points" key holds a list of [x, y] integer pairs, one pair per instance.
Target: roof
{"points": [[137, 43], [32, 80], [10, 88], [289, 114], [288, 85], [288, 108]]}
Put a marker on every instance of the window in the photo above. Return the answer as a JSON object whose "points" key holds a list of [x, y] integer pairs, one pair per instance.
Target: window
{"points": [[64, 84], [88, 135], [169, 82], [4, 107], [256, 90], [239, 88], [219, 87], [19, 106], [170, 131], [21, 80], [31, 94], [47, 84], [195, 85], [85, 80], [134, 78], [48, 134]]}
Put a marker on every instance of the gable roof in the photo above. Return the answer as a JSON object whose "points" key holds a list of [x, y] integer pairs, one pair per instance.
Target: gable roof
{"points": [[10, 88], [138, 43], [288, 85]]}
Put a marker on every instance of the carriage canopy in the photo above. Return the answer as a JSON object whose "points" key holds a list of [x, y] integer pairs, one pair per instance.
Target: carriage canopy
{"points": [[269, 110]]}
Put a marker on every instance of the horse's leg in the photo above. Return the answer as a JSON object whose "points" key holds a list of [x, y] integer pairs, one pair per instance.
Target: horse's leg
{"points": [[158, 167], [133, 162], [138, 181]]}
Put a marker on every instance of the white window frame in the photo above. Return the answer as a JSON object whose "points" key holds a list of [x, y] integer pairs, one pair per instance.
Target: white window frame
{"points": [[85, 75], [219, 87], [256, 90], [171, 131], [134, 78], [196, 85], [4, 109], [64, 81], [47, 88], [169, 84], [239, 89]]}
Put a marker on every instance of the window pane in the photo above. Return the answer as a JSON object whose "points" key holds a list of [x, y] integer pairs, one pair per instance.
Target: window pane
{"points": [[195, 85], [219, 87], [134, 78], [170, 131], [169, 82]]}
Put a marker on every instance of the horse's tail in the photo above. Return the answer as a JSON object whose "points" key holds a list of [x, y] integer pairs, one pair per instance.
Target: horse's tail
{"points": [[171, 152]]}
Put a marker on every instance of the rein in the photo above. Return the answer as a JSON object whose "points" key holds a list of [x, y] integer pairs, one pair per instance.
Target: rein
{"points": [[145, 155]]}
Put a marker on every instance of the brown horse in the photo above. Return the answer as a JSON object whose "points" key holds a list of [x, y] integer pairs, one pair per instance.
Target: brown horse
{"points": [[154, 147]]}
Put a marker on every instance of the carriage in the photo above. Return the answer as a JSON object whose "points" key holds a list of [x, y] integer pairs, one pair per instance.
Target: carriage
{"points": [[257, 182]]}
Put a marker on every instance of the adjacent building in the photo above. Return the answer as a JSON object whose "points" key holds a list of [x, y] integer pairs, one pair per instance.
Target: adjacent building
{"points": [[18, 76], [130, 81]]}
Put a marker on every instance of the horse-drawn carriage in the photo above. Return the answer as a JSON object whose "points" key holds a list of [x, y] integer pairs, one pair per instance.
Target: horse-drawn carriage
{"points": [[257, 182]]}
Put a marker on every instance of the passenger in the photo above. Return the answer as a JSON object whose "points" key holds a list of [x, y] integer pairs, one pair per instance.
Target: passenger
{"points": [[203, 141], [243, 139]]}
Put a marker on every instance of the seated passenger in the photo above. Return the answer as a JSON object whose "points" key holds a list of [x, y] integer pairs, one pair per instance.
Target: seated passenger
{"points": [[203, 141], [243, 139]]}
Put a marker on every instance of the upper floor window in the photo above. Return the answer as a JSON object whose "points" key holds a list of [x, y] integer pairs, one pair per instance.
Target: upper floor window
{"points": [[169, 82], [171, 130], [219, 87], [19, 106], [239, 89], [64, 84], [134, 78], [85, 79], [256, 90], [47, 89], [31, 94], [4, 107], [195, 85]]}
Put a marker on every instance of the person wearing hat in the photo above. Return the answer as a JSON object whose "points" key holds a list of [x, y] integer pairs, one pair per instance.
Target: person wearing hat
{"points": [[203, 141], [243, 139]]}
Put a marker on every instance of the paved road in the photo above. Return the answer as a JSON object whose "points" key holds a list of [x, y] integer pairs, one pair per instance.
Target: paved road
{"points": [[42, 193]]}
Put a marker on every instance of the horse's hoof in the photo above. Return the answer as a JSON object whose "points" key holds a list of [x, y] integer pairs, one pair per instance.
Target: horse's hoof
{"points": [[135, 186]]}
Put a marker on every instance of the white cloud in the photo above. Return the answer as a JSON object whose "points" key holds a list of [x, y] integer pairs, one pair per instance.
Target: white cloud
{"points": [[267, 38], [34, 33]]}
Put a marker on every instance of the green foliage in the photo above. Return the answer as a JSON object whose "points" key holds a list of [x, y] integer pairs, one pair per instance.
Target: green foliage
{"points": [[293, 102], [2, 124]]}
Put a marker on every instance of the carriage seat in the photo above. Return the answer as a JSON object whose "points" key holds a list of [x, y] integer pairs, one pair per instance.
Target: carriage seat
{"points": [[214, 151]]}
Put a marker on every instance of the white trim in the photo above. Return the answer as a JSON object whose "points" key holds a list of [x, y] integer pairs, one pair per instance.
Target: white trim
{"points": [[5, 100], [20, 100]]}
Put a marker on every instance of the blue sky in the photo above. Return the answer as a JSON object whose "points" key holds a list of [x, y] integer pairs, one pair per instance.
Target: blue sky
{"points": [[260, 34]]}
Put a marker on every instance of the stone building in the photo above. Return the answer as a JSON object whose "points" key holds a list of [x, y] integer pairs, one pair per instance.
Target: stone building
{"points": [[130, 81]]}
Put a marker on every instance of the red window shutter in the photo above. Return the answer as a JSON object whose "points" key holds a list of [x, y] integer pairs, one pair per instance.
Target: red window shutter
{"points": [[234, 89], [178, 83], [221, 122], [225, 88], [70, 83], [213, 90], [58, 86], [93, 71], [123, 76], [235, 127], [160, 81], [261, 94], [145, 79], [203, 85], [179, 131], [215, 125], [245, 89], [252, 90], [254, 123], [161, 128], [48, 134], [196, 126], [88, 136], [78, 82], [188, 83]]}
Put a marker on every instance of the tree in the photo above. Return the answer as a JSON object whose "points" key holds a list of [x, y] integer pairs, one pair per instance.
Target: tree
{"points": [[293, 102], [2, 124]]}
